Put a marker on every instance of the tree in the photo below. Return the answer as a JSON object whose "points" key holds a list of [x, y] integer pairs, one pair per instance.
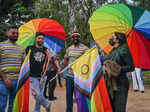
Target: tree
{"points": [[15, 14]]}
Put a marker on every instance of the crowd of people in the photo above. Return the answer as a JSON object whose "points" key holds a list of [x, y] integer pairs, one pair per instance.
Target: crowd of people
{"points": [[44, 68]]}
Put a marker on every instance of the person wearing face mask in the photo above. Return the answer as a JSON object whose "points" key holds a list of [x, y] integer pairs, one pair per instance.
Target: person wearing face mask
{"points": [[38, 59], [120, 57], [72, 53], [11, 59]]}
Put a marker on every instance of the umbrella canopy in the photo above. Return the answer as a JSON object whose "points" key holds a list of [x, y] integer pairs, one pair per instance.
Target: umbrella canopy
{"points": [[54, 33], [133, 21]]}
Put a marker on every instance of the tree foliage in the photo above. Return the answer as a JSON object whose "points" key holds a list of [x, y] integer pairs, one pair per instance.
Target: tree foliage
{"points": [[73, 15]]}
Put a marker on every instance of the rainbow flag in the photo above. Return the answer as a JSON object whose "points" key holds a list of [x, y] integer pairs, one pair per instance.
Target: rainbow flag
{"points": [[21, 102], [90, 84]]}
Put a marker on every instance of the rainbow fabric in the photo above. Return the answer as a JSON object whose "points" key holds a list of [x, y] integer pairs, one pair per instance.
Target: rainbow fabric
{"points": [[21, 102], [90, 84], [130, 20]]}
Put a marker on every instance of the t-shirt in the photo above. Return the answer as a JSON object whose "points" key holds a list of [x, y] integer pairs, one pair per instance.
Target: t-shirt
{"points": [[37, 59], [11, 58], [75, 52]]}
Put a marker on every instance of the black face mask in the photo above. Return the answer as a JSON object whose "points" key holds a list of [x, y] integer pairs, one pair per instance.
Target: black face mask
{"points": [[111, 42]]}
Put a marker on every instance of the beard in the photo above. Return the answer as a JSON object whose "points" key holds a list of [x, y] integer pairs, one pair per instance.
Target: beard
{"points": [[40, 43], [13, 39], [76, 42]]}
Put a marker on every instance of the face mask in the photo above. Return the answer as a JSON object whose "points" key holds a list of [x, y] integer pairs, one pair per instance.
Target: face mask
{"points": [[111, 42]]}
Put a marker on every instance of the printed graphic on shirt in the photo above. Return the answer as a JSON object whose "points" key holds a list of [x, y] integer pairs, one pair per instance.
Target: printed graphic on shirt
{"points": [[39, 56]]}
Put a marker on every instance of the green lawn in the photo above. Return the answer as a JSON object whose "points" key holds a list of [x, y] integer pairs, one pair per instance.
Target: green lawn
{"points": [[146, 75]]}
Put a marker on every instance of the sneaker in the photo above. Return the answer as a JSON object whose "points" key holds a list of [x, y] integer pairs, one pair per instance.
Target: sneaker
{"points": [[49, 109], [135, 90], [53, 98]]}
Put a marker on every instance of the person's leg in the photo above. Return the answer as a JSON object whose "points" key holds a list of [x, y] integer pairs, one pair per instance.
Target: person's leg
{"points": [[3, 96], [59, 80], [135, 83], [50, 92], [38, 93], [138, 74], [35, 88], [69, 94], [52, 89], [45, 89], [120, 98], [52, 86], [12, 93], [44, 102]]}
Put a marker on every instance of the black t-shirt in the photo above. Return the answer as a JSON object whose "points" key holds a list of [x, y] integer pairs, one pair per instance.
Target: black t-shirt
{"points": [[37, 59]]}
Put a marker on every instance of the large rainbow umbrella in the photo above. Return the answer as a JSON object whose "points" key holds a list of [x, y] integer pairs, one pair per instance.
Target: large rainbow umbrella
{"points": [[133, 21], [54, 33]]}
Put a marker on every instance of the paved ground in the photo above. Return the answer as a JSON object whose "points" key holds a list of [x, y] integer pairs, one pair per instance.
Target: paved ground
{"points": [[137, 102]]}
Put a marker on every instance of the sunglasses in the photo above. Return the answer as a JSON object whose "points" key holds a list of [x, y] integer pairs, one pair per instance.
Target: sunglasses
{"points": [[75, 36]]}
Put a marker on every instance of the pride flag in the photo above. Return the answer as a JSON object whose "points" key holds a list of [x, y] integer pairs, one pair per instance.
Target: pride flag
{"points": [[21, 102], [90, 84]]}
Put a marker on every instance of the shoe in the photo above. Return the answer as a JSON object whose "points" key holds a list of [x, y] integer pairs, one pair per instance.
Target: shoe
{"points": [[53, 98], [135, 90], [45, 96], [49, 109], [142, 91]]}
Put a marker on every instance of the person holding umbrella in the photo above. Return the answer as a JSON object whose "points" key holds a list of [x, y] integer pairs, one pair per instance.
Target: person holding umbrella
{"points": [[121, 56], [39, 59]]}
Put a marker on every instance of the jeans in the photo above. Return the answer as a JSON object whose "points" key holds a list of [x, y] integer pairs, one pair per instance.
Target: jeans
{"points": [[5, 94], [37, 91], [69, 94]]}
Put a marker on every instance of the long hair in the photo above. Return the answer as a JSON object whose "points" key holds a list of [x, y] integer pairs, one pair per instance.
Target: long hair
{"points": [[121, 37]]}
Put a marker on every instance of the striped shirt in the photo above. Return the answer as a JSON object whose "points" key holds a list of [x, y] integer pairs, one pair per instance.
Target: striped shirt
{"points": [[11, 58], [75, 52]]}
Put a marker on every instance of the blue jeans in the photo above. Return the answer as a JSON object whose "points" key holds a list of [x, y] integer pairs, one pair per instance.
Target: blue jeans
{"points": [[69, 94], [5, 94], [37, 91]]}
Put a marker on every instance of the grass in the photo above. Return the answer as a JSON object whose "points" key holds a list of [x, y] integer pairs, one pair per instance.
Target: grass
{"points": [[146, 76]]}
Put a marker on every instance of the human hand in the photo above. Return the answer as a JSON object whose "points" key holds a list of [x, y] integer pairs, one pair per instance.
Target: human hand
{"points": [[41, 80], [104, 69], [8, 83]]}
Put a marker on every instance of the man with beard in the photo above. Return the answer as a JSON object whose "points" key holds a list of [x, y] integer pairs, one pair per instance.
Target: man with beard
{"points": [[72, 53], [38, 62], [11, 58]]}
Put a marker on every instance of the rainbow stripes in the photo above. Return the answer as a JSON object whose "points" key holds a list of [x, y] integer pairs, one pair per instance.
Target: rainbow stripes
{"points": [[12, 56], [21, 102], [91, 91], [55, 35], [98, 102]]}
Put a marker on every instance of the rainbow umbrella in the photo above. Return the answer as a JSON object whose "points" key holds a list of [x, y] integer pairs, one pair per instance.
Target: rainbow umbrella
{"points": [[54, 33], [133, 21]]}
